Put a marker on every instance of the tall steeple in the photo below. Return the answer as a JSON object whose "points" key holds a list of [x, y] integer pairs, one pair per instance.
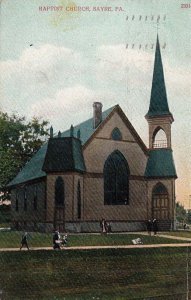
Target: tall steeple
{"points": [[159, 116], [160, 162], [158, 101]]}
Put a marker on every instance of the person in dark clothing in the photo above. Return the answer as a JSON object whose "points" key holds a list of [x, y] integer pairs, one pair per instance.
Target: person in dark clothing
{"points": [[65, 240], [56, 238], [149, 227], [24, 241], [103, 225], [108, 227], [155, 226]]}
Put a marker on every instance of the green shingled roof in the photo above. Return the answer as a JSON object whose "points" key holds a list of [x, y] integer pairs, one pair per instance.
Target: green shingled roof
{"points": [[158, 101], [33, 169], [160, 164], [64, 154]]}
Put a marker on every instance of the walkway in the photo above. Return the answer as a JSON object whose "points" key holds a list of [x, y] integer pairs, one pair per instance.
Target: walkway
{"points": [[103, 247], [186, 244]]}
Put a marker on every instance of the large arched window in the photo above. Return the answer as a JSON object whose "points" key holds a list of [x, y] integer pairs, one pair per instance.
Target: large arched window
{"points": [[116, 180], [59, 191], [160, 202]]}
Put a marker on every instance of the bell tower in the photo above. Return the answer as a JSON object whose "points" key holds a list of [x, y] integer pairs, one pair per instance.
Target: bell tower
{"points": [[160, 169], [159, 117]]}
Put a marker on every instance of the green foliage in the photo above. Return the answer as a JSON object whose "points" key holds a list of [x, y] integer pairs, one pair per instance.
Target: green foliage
{"points": [[5, 214], [189, 216], [181, 214], [19, 140]]}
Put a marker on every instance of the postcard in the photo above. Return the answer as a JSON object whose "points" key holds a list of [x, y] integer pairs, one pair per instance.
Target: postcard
{"points": [[95, 143]]}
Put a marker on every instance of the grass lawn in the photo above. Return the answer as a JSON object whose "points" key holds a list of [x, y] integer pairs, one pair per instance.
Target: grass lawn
{"points": [[95, 274], [11, 239], [186, 234]]}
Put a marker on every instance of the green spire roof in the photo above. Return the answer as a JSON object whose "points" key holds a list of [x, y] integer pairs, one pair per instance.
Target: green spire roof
{"points": [[158, 101], [160, 164]]}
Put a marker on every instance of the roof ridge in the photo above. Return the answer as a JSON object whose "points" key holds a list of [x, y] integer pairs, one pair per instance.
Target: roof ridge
{"points": [[112, 107]]}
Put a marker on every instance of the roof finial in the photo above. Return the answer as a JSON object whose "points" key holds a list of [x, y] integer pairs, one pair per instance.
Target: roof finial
{"points": [[72, 131], [78, 134], [51, 132], [158, 25]]}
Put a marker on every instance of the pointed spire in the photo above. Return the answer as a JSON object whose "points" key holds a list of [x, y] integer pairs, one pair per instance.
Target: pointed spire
{"points": [[158, 101], [51, 132], [59, 134], [78, 134], [72, 131]]}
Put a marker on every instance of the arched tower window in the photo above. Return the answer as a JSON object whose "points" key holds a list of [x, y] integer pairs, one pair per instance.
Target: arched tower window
{"points": [[116, 180], [159, 139], [160, 202], [116, 134], [79, 199], [35, 198], [59, 191]]}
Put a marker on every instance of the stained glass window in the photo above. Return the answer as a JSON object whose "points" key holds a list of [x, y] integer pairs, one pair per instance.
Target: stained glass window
{"points": [[59, 191], [116, 180]]}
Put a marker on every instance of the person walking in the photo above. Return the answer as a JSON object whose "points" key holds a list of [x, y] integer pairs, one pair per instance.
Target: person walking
{"points": [[149, 227], [24, 241], [155, 226], [65, 240], [103, 225], [56, 240]]}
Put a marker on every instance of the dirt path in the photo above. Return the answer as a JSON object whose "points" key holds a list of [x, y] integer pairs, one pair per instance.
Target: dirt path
{"points": [[167, 236], [103, 247], [186, 244]]}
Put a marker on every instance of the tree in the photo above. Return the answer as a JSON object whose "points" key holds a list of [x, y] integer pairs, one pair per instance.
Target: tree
{"points": [[181, 214], [19, 141], [189, 216]]}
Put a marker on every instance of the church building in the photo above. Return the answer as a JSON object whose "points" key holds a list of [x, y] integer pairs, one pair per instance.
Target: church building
{"points": [[101, 168]]}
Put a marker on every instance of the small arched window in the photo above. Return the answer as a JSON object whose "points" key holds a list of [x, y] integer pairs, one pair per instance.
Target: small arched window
{"points": [[35, 198], [25, 199], [116, 134], [79, 199], [59, 191], [17, 202], [116, 180]]}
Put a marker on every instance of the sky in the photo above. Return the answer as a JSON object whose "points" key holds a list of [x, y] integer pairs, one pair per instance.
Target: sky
{"points": [[56, 62]]}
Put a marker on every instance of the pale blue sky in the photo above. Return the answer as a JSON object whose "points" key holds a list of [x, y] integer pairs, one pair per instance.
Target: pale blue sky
{"points": [[78, 58]]}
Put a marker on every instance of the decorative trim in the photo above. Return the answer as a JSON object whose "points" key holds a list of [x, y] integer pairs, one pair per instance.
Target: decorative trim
{"points": [[127, 123], [100, 175]]}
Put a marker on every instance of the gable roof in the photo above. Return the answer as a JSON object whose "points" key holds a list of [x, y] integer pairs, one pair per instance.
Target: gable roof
{"points": [[132, 130], [33, 169], [160, 164]]}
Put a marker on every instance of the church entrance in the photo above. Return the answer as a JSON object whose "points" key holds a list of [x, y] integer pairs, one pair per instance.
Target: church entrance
{"points": [[160, 202], [59, 210]]}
